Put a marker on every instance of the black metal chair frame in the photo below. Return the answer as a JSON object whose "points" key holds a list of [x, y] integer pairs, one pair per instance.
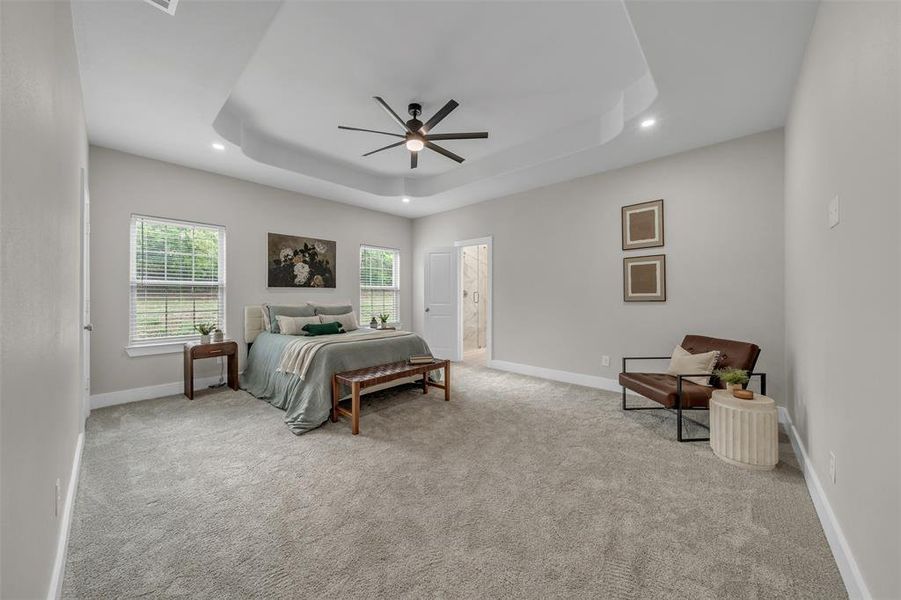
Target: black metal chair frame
{"points": [[679, 410]]}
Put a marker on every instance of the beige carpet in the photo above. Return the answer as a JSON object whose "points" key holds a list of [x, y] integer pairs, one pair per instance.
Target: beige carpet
{"points": [[517, 488]]}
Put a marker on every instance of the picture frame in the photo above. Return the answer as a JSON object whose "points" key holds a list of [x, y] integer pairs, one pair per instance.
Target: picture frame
{"points": [[642, 225], [300, 262], [644, 278]]}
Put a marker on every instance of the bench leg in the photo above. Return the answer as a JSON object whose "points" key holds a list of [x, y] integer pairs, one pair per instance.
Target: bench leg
{"points": [[355, 408], [447, 382], [336, 397], [425, 383]]}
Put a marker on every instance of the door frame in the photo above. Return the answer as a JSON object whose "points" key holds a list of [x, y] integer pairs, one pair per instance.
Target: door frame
{"points": [[85, 305], [489, 327]]}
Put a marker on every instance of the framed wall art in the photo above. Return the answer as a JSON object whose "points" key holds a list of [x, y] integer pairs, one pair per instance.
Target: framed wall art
{"points": [[644, 278], [300, 262], [642, 225]]}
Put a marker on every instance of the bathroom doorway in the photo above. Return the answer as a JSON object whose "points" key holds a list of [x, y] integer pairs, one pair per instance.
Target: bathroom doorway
{"points": [[475, 300]]}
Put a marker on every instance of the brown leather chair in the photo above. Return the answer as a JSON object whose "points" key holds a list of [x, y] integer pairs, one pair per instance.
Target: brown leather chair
{"points": [[676, 392]]}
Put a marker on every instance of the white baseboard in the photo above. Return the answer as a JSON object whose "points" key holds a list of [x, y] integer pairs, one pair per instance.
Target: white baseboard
{"points": [[592, 381], [147, 393], [841, 551], [62, 544]]}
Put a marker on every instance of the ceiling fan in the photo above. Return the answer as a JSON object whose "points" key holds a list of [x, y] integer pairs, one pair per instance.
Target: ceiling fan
{"points": [[416, 134]]}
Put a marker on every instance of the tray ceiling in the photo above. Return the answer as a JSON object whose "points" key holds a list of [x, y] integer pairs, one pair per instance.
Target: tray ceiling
{"points": [[558, 85]]}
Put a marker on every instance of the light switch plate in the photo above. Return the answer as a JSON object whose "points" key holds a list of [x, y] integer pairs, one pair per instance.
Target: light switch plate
{"points": [[605, 361], [833, 212]]}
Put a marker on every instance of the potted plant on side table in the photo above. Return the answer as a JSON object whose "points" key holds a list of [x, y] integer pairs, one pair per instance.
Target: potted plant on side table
{"points": [[383, 317], [735, 379], [204, 329]]}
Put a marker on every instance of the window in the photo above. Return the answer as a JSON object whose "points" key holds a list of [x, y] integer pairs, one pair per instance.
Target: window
{"points": [[379, 283], [177, 279]]}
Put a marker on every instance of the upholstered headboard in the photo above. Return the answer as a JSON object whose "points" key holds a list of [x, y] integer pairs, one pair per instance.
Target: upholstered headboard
{"points": [[253, 322]]}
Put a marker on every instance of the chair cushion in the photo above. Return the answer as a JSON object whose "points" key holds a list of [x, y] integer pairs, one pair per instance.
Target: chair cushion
{"points": [[661, 388]]}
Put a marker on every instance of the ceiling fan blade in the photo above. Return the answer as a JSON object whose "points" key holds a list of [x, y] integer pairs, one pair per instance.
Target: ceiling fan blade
{"points": [[414, 159], [391, 112], [439, 116], [473, 135], [445, 152], [369, 130], [386, 147]]}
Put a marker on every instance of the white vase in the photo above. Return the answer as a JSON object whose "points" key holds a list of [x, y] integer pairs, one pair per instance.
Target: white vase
{"points": [[204, 339]]}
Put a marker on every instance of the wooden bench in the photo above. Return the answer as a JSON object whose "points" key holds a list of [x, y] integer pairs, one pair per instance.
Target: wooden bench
{"points": [[370, 376]]}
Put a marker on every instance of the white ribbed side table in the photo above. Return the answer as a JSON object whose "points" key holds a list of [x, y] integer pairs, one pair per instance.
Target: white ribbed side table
{"points": [[744, 432]]}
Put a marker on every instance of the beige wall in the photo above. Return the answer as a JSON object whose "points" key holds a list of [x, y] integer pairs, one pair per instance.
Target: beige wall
{"points": [[44, 149], [122, 184], [842, 284], [558, 299]]}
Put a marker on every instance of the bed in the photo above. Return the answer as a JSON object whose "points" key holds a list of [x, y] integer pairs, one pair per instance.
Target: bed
{"points": [[305, 394]]}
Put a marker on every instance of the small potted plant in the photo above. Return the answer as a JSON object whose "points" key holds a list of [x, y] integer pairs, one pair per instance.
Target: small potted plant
{"points": [[383, 317], [204, 329], [734, 379]]}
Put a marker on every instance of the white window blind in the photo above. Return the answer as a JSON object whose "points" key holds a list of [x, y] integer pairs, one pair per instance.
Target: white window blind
{"points": [[177, 279], [379, 283]]}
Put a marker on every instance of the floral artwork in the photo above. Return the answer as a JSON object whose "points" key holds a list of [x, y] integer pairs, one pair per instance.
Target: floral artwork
{"points": [[301, 262]]}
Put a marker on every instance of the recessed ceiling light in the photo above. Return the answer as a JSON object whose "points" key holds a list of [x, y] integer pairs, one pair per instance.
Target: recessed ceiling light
{"points": [[648, 123], [218, 146], [405, 200]]}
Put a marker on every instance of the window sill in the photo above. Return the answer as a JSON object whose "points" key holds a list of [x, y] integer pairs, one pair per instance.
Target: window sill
{"points": [[152, 349], [395, 325]]}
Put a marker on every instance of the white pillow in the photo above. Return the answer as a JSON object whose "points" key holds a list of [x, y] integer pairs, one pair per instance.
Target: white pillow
{"points": [[684, 362], [294, 325], [348, 320]]}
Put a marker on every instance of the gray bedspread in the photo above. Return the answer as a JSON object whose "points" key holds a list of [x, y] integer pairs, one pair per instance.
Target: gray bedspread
{"points": [[308, 403]]}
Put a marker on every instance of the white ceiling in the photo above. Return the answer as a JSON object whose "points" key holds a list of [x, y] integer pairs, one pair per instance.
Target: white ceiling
{"points": [[560, 86]]}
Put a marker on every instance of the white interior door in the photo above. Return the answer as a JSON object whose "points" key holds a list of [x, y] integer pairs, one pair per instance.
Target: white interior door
{"points": [[441, 315], [86, 326]]}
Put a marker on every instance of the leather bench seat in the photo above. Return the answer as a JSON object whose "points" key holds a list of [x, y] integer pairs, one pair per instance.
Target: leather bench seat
{"points": [[661, 388]]}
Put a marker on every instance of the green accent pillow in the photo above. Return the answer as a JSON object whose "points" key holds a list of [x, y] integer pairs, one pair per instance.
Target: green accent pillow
{"points": [[323, 328]]}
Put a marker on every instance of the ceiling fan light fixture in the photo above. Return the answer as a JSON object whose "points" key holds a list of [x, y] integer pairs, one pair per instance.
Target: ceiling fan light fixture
{"points": [[649, 122], [417, 135]]}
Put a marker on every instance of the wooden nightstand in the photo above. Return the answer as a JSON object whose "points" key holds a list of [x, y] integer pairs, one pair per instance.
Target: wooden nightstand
{"points": [[195, 350]]}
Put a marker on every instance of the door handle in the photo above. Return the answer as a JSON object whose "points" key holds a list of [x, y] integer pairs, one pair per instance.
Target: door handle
{"points": [[427, 309], [475, 297], [89, 327]]}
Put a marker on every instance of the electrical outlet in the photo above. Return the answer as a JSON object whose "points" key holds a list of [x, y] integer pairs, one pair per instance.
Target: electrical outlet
{"points": [[56, 499], [605, 361], [832, 467]]}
